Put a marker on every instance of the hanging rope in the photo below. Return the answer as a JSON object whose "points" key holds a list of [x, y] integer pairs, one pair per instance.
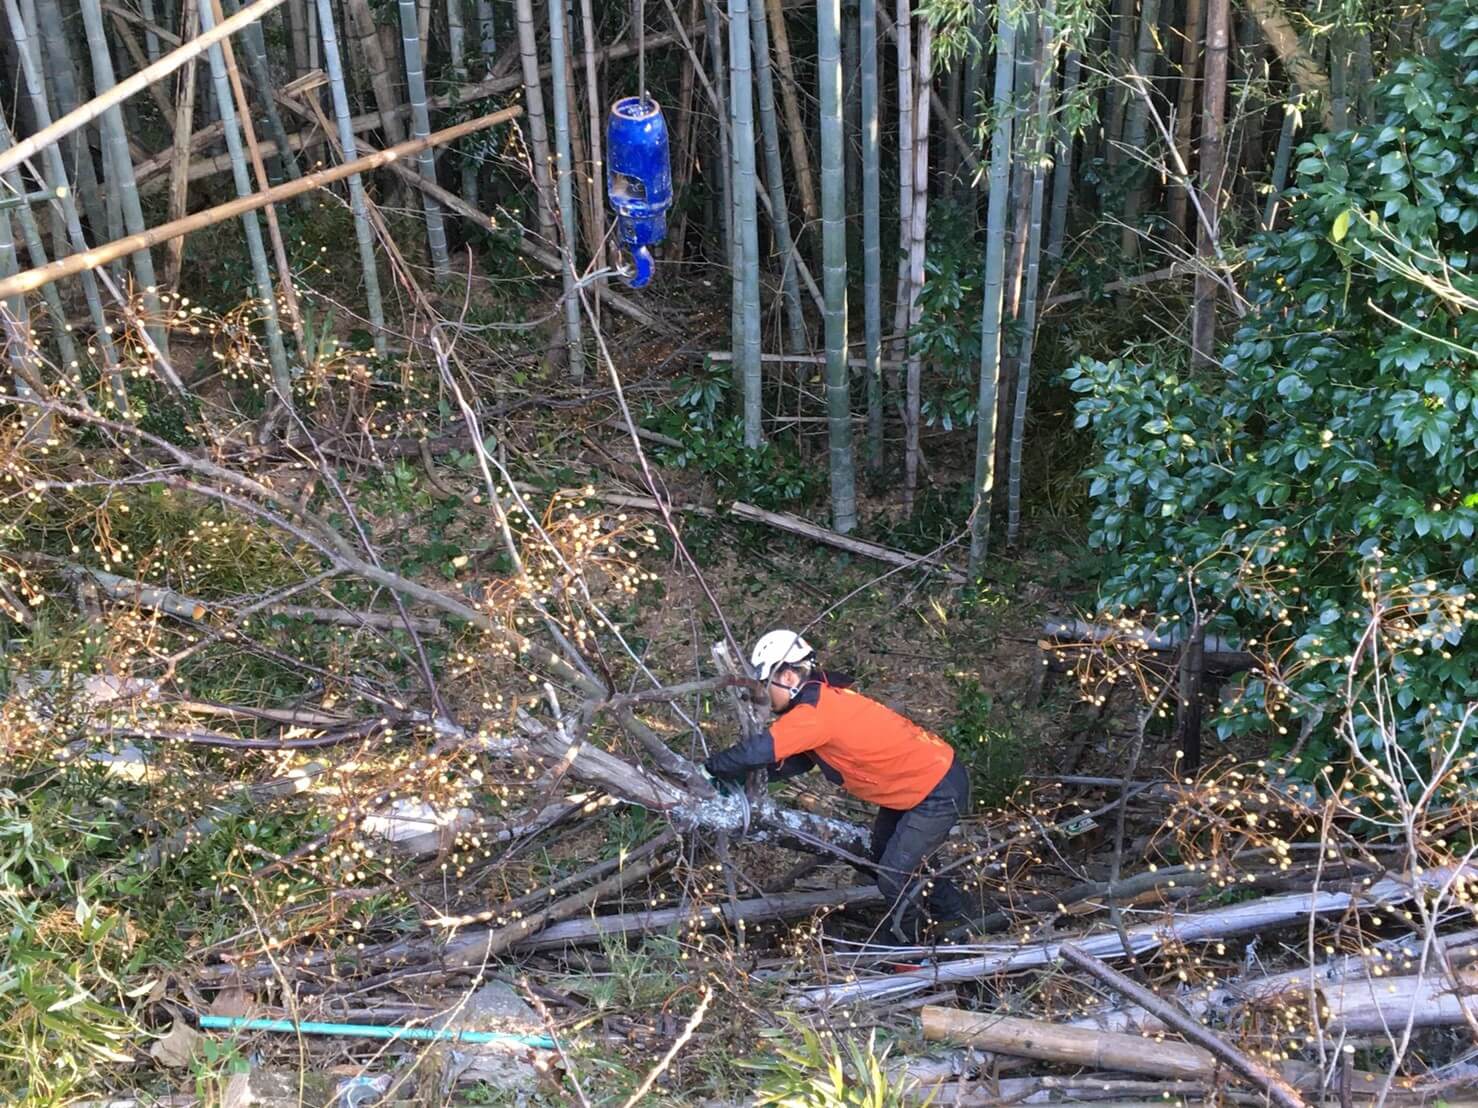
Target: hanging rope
{"points": [[641, 52]]}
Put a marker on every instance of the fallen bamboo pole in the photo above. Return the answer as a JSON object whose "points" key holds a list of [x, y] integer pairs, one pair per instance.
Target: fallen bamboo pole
{"points": [[1278, 1090], [1235, 919], [795, 525], [33, 279], [577, 931], [86, 113], [1107, 1050]]}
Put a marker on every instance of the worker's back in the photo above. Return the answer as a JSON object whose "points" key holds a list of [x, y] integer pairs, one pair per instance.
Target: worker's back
{"points": [[880, 756]]}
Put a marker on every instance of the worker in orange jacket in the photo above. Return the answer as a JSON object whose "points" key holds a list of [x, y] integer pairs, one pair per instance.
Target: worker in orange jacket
{"points": [[877, 755]]}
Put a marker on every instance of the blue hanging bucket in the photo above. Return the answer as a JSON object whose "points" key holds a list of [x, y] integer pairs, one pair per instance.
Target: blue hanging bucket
{"points": [[639, 178]]}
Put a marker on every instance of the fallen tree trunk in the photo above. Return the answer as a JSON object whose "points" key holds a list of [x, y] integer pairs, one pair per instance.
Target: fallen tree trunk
{"points": [[1266, 914]]}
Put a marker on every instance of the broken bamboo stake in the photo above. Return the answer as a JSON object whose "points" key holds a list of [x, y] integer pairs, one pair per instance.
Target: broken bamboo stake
{"points": [[86, 113], [99, 256], [1278, 1090]]}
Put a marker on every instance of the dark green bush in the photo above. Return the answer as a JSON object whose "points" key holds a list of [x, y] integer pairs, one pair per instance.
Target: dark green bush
{"points": [[1331, 463]]}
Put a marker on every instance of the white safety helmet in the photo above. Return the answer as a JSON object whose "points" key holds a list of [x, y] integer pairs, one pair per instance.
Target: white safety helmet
{"points": [[778, 648]]}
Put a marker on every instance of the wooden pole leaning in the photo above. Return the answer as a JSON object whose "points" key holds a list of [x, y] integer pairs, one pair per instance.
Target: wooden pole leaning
{"points": [[108, 252], [85, 113]]}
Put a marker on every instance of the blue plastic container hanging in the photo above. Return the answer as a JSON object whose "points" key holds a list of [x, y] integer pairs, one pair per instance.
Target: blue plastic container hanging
{"points": [[639, 178]]}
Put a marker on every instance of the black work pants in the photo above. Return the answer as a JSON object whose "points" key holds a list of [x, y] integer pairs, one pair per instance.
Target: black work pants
{"points": [[903, 839]]}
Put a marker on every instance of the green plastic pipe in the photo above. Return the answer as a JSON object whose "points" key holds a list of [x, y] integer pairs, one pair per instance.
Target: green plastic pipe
{"points": [[371, 1031]]}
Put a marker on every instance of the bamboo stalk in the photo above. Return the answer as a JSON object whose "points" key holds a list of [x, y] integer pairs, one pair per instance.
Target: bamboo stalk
{"points": [[362, 19], [411, 38], [746, 277], [1136, 124], [917, 245], [1212, 163], [261, 75], [1028, 316], [1185, 106], [56, 179], [286, 290], [36, 248], [140, 60], [121, 91], [53, 55], [533, 99], [363, 235], [872, 247], [1279, 177], [179, 172], [596, 209], [487, 35], [266, 295], [995, 264], [795, 129], [834, 268], [779, 208], [1062, 162], [902, 300], [718, 87], [565, 179], [120, 162], [102, 255]]}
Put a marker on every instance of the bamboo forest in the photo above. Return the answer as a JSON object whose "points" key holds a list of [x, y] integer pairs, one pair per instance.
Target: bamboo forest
{"points": [[738, 552]]}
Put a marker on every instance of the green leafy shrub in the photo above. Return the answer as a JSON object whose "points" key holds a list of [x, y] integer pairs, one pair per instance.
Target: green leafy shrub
{"points": [[771, 477], [1334, 459], [810, 1069]]}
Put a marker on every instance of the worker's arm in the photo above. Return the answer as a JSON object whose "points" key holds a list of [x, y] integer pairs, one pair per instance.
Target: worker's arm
{"points": [[755, 752], [783, 748]]}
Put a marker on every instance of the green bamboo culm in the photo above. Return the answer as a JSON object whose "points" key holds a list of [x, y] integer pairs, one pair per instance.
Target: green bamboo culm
{"points": [[872, 247], [720, 80], [53, 55], [36, 248], [764, 81], [1136, 122], [56, 179], [1281, 158], [1028, 321], [1062, 160], [415, 83], [564, 165], [261, 274], [834, 265], [363, 233], [119, 164], [487, 35], [746, 208], [995, 273], [533, 109], [259, 68]]}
